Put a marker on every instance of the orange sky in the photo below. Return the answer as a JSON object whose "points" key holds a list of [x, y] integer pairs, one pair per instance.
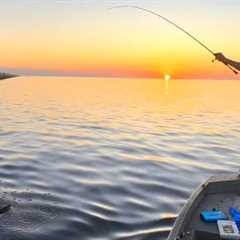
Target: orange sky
{"points": [[86, 39]]}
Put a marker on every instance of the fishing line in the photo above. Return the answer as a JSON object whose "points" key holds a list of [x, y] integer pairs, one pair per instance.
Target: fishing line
{"points": [[175, 25]]}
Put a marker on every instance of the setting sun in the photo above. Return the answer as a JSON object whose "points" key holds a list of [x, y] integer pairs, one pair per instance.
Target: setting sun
{"points": [[167, 77]]}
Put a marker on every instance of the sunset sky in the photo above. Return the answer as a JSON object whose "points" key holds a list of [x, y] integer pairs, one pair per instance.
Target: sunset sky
{"points": [[82, 37]]}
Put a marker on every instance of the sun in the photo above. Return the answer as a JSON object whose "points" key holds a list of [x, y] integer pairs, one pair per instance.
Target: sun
{"points": [[167, 77]]}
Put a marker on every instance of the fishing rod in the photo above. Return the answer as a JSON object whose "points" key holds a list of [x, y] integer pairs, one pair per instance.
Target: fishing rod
{"points": [[175, 25]]}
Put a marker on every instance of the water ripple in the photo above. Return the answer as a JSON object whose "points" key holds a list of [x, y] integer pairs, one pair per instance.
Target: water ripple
{"points": [[113, 161]]}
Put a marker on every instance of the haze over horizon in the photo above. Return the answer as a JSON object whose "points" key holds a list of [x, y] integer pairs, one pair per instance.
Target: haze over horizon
{"points": [[84, 38]]}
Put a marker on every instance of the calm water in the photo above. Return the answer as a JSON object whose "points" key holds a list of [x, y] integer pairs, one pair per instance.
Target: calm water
{"points": [[110, 159]]}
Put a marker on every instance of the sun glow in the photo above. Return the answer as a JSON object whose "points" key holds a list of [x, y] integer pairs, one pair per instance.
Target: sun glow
{"points": [[167, 77], [86, 40]]}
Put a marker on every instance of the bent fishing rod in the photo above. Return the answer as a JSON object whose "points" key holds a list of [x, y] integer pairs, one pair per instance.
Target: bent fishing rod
{"points": [[175, 25]]}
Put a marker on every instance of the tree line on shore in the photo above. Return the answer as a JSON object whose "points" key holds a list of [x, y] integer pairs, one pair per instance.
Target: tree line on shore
{"points": [[6, 75]]}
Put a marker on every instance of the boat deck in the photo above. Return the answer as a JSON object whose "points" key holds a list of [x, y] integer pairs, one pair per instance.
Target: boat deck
{"points": [[219, 193], [201, 230]]}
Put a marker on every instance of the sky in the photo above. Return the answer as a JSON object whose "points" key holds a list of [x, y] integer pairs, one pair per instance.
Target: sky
{"points": [[83, 38]]}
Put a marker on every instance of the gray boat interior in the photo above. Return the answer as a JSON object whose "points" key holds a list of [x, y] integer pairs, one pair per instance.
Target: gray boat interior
{"points": [[220, 193]]}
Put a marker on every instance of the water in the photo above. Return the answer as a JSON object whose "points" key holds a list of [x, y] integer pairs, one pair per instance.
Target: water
{"points": [[110, 158]]}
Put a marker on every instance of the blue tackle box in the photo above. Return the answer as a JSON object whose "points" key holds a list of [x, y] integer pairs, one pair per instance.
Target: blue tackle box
{"points": [[213, 216]]}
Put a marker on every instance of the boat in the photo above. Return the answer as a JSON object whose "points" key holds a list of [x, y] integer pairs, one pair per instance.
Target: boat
{"points": [[218, 194]]}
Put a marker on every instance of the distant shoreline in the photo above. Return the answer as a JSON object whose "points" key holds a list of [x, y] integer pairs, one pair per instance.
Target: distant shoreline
{"points": [[4, 76]]}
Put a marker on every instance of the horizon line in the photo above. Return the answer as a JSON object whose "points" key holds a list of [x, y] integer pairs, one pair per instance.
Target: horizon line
{"points": [[128, 77]]}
